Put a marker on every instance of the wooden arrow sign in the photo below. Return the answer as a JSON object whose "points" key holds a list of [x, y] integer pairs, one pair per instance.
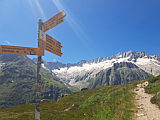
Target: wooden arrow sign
{"points": [[7, 49], [54, 21], [53, 46], [54, 50], [53, 42]]}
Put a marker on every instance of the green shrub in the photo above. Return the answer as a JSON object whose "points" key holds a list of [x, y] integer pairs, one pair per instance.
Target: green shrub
{"points": [[156, 99], [154, 79], [154, 88]]}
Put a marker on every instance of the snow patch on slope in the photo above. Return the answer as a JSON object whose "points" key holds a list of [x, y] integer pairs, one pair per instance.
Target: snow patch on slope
{"points": [[151, 66], [89, 70], [1, 64]]}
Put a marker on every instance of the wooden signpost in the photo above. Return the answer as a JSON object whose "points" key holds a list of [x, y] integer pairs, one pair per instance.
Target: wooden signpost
{"points": [[45, 42]]}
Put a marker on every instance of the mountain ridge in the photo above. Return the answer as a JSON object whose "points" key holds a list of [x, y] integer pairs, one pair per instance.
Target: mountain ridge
{"points": [[133, 54], [71, 73]]}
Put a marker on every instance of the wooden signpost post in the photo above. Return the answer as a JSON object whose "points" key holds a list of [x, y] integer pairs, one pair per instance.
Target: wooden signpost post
{"points": [[45, 42]]}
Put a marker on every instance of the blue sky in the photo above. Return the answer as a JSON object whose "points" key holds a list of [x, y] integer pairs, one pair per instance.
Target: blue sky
{"points": [[92, 28]]}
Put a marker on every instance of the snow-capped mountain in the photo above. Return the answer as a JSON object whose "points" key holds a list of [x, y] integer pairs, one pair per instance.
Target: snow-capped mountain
{"points": [[77, 74]]}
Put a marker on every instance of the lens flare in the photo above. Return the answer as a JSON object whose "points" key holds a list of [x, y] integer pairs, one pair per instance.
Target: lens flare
{"points": [[36, 3], [75, 26]]}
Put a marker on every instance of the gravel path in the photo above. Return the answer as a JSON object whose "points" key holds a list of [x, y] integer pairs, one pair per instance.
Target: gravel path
{"points": [[145, 109]]}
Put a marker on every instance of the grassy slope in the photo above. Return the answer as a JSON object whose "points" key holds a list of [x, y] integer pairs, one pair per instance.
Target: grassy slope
{"points": [[104, 103], [154, 88]]}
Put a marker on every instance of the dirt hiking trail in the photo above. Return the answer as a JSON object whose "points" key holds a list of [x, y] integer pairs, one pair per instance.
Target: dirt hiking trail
{"points": [[145, 110]]}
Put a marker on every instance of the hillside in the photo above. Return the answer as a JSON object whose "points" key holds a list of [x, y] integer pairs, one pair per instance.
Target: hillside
{"points": [[154, 88], [103, 103], [119, 74], [18, 78]]}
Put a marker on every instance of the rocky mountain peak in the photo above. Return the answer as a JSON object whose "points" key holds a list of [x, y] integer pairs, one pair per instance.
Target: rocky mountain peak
{"points": [[131, 54]]}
